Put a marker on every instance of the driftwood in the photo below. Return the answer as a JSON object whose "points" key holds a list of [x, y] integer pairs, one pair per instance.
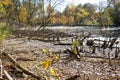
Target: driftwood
{"points": [[24, 59], [108, 44], [22, 68], [94, 49], [104, 45], [62, 43], [98, 57], [7, 75], [90, 42], [112, 43], [39, 39], [88, 57]]}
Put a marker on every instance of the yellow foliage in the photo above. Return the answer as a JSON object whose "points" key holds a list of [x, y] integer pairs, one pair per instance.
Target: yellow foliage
{"points": [[51, 53], [71, 20], [75, 44], [46, 64], [53, 20], [23, 14], [4, 31], [63, 19], [53, 72], [5, 2], [53, 56], [73, 7], [2, 9], [45, 50], [56, 57], [82, 13]]}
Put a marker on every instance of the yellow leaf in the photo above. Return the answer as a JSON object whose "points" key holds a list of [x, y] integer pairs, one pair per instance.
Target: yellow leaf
{"points": [[47, 64], [45, 50], [51, 53], [53, 72], [56, 57], [42, 63]]}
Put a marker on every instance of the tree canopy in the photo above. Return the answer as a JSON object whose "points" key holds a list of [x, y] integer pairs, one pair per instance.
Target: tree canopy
{"points": [[43, 11]]}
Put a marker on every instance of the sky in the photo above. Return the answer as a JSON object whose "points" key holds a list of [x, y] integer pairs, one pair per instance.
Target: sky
{"points": [[77, 2]]}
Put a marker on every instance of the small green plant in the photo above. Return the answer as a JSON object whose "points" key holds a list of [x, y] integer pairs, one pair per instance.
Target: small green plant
{"points": [[74, 48], [4, 31]]}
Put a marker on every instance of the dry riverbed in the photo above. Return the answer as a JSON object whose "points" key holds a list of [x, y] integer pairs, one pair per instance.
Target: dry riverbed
{"points": [[29, 54]]}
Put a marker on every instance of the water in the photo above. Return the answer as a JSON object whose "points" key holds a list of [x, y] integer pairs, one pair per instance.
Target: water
{"points": [[75, 29], [95, 31]]}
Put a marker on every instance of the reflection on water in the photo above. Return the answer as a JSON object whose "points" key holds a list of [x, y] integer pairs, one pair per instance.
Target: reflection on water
{"points": [[95, 31], [74, 29]]}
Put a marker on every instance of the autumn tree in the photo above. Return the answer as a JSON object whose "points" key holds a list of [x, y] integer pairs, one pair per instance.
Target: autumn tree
{"points": [[90, 8], [90, 20], [116, 13], [81, 15], [23, 15], [69, 12], [6, 10], [48, 12], [72, 11], [63, 20], [4, 28]]}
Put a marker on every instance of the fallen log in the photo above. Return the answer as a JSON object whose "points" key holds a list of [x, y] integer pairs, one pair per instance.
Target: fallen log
{"points": [[112, 43], [62, 44], [24, 59], [22, 68], [98, 59], [39, 39]]}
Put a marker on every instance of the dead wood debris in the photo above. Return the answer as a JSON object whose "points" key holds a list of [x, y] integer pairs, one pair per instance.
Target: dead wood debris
{"points": [[22, 68]]}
